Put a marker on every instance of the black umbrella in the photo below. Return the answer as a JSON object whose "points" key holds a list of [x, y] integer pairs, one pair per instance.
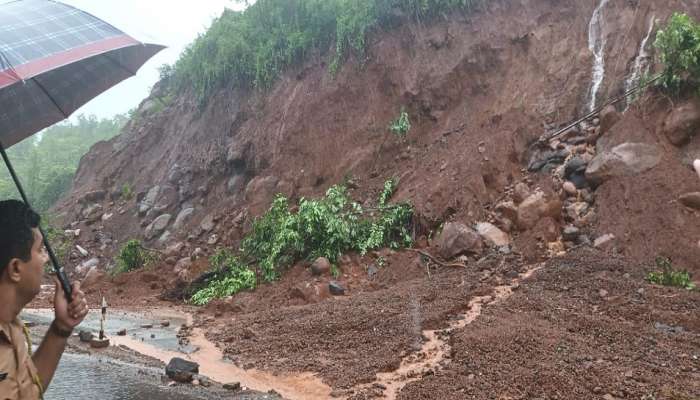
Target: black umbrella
{"points": [[53, 59]]}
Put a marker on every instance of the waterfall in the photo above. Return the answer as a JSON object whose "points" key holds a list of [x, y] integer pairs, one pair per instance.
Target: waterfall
{"points": [[641, 63], [596, 44]]}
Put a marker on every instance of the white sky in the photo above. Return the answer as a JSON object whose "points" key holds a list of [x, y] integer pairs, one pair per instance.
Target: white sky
{"points": [[174, 24]]}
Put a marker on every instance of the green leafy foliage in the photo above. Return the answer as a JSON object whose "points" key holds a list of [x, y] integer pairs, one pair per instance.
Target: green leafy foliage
{"points": [[230, 277], [679, 47], [401, 125], [668, 276], [46, 163], [133, 256], [127, 192], [250, 49], [326, 227]]}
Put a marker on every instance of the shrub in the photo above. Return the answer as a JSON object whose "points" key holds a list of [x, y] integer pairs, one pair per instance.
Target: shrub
{"points": [[133, 256], [670, 277], [250, 49], [401, 125], [679, 46], [327, 227], [230, 277], [127, 192]]}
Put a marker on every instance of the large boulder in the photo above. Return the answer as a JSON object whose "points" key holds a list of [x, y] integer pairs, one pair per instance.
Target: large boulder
{"points": [[535, 207], [182, 218], [456, 239], [682, 123], [625, 159], [492, 235], [157, 226], [181, 370], [208, 223], [321, 266], [149, 200]]}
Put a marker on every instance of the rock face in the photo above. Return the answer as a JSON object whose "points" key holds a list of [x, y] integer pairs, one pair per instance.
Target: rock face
{"points": [[208, 223], [492, 234], [691, 200], [536, 207], [157, 226], [181, 370], [625, 159], [456, 239], [682, 123]]}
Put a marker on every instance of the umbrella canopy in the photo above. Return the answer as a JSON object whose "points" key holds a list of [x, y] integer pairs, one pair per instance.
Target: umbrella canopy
{"points": [[53, 59]]}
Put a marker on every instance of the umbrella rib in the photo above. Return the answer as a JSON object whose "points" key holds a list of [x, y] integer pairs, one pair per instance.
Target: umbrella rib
{"points": [[43, 89]]}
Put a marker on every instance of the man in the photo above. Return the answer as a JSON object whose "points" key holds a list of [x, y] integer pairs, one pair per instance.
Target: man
{"points": [[24, 376]]}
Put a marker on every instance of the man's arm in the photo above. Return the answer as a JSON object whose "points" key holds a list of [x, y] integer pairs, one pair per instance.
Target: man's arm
{"points": [[68, 316]]}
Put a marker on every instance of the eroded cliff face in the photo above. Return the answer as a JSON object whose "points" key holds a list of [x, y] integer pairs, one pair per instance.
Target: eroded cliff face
{"points": [[478, 89]]}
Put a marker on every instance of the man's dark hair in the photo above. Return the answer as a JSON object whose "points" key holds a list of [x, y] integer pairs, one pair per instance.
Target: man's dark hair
{"points": [[16, 237]]}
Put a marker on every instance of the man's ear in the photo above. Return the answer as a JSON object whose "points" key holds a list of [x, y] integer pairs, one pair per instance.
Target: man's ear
{"points": [[13, 270]]}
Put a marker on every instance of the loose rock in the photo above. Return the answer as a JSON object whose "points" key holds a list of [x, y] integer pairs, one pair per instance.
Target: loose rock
{"points": [[456, 239], [320, 266], [492, 235], [336, 288], [181, 370]]}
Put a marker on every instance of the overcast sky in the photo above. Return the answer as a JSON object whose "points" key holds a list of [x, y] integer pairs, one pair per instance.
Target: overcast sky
{"points": [[171, 23]]}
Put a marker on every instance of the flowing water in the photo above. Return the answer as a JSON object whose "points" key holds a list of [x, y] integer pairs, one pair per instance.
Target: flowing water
{"points": [[435, 349], [596, 44], [641, 62]]}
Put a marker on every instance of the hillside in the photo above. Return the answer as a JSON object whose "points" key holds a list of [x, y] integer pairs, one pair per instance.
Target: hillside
{"points": [[567, 228]]}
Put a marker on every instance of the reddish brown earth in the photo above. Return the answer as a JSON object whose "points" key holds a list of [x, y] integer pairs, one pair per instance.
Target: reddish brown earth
{"points": [[479, 91]]}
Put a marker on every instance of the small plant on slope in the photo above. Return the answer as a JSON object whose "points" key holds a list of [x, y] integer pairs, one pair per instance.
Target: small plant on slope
{"points": [[670, 277], [401, 125], [133, 256], [230, 277], [679, 46]]}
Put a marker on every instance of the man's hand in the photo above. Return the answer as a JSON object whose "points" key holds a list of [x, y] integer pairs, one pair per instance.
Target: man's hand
{"points": [[68, 316]]}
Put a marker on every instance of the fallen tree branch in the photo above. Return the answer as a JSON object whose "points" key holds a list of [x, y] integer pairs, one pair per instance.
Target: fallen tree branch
{"points": [[436, 261]]}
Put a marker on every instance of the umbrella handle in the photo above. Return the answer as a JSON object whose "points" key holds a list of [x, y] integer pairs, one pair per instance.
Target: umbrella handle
{"points": [[60, 273]]}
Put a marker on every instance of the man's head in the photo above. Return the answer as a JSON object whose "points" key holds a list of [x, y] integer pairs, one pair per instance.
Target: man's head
{"points": [[22, 253]]}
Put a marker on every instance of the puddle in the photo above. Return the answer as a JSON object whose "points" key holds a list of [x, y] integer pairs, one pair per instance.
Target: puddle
{"points": [[164, 346], [435, 350]]}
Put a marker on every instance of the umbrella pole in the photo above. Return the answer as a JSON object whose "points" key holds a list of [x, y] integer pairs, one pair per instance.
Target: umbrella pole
{"points": [[60, 273]]}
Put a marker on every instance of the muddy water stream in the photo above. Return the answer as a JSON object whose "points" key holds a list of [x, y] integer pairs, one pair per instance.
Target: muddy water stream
{"points": [[435, 349], [162, 343]]}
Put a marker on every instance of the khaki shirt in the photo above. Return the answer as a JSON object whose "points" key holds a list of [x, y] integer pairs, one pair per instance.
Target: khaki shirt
{"points": [[16, 366]]}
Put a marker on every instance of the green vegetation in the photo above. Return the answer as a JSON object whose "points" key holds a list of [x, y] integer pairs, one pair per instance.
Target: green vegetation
{"points": [[401, 125], [250, 49], [127, 192], [679, 47], [668, 276], [133, 256], [326, 227], [46, 163], [230, 277]]}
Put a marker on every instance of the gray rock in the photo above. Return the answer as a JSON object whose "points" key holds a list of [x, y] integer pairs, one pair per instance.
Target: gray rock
{"points": [[691, 200], [521, 192], [157, 226], [570, 233], [492, 235], [93, 277], [604, 241], [336, 288], [233, 386], [208, 223], [181, 370], [92, 212], [456, 239], [625, 159], [236, 184], [86, 336], [149, 200], [164, 238], [183, 264], [182, 218], [321, 266]]}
